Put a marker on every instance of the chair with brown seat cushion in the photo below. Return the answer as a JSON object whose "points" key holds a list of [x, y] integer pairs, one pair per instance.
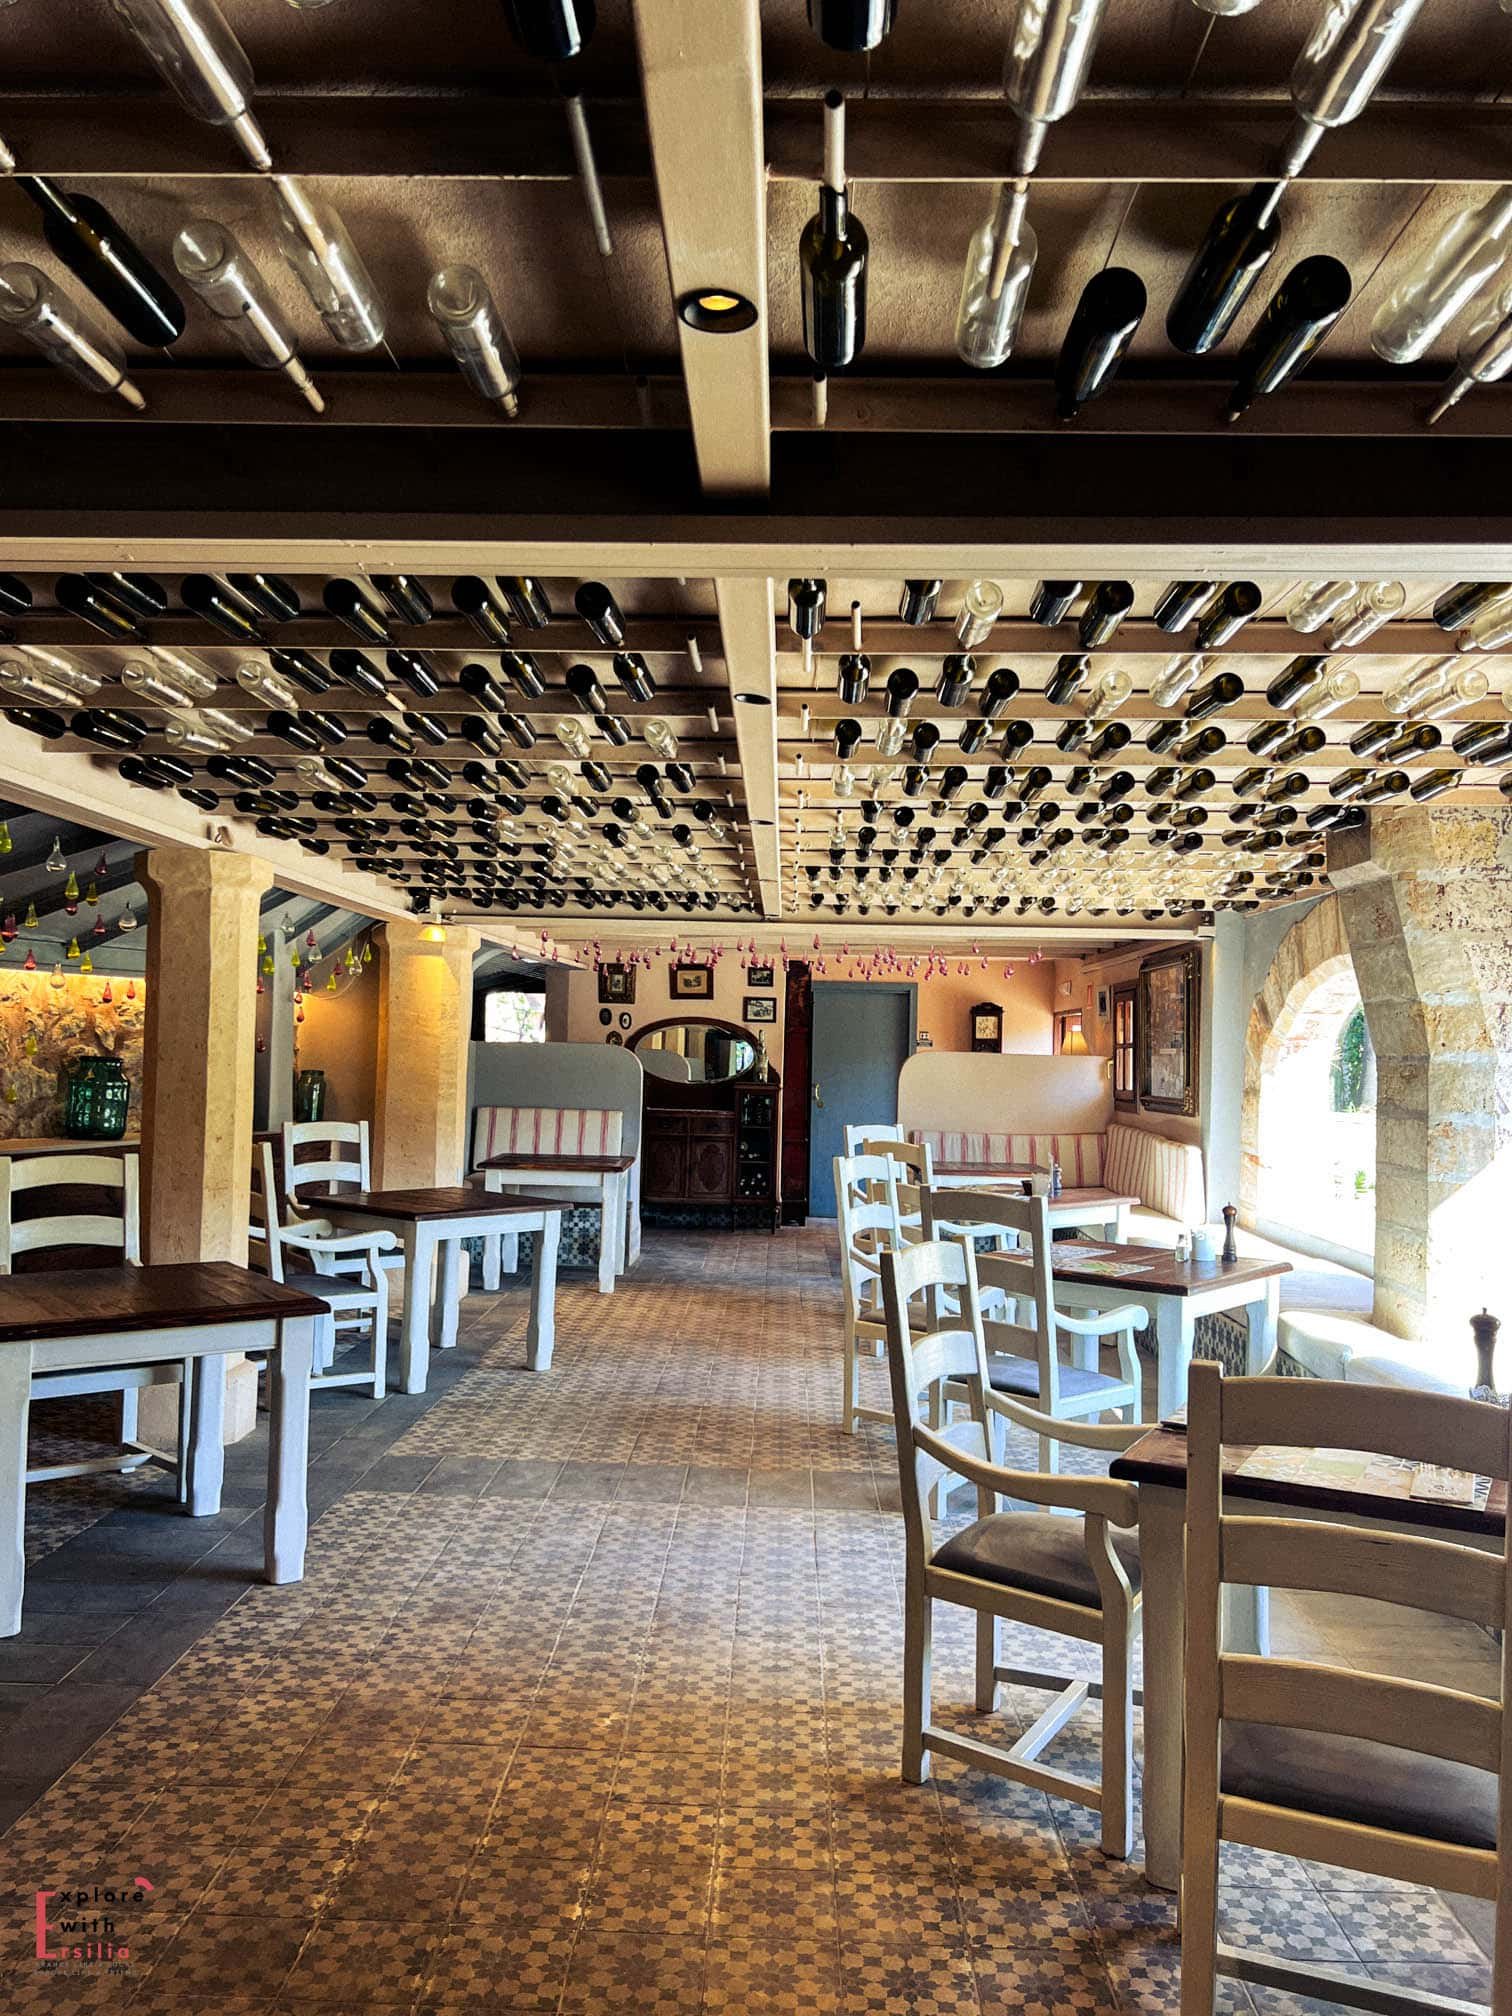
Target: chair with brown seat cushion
{"points": [[1076, 1575], [1401, 1778]]}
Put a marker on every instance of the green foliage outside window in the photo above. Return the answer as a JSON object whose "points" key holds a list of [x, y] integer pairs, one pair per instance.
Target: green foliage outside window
{"points": [[1351, 1065]]}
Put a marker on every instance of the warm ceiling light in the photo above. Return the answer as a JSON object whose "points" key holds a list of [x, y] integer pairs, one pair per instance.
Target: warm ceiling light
{"points": [[716, 311]]}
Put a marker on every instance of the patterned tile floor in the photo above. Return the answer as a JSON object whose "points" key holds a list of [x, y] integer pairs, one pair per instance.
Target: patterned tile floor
{"points": [[589, 1702]]}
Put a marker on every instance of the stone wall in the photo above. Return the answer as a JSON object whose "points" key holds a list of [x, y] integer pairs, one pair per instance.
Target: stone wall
{"points": [[65, 1023]]}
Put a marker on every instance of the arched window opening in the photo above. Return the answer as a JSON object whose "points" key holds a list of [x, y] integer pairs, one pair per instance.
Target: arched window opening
{"points": [[1316, 1175]]}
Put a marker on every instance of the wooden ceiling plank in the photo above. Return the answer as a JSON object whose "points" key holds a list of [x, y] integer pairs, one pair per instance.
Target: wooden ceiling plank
{"points": [[701, 71]]}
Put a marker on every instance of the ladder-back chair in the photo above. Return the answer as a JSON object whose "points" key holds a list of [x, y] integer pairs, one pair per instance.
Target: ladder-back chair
{"points": [[1024, 1358], [867, 1216], [117, 1233], [318, 1251], [1399, 1778], [1079, 1577]]}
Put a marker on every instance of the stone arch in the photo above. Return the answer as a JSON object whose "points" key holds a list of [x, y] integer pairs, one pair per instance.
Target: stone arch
{"points": [[1310, 977]]}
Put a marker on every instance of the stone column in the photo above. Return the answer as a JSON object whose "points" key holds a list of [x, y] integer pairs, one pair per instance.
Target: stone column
{"points": [[1426, 899], [424, 1027], [273, 1068], [200, 1041]]}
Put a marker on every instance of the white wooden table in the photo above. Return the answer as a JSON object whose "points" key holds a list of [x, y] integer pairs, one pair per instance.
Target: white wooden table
{"points": [[1173, 1293], [592, 1179], [431, 1225], [205, 1310]]}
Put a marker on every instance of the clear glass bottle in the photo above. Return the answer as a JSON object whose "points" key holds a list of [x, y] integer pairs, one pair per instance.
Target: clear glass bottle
{"points": [[266, 685], [1485, 351], [1335, 690], [1316, 601], [165, 686], [987, 323], [1417, 686], [1114, 688], [209, 258], [463, 310], [1050, 45], [320, 253], [1341, 63], [1176, 681], [1371, 610], [1470, 249], [67, 334], [194, 51], [981, 606], [1467, 688]]}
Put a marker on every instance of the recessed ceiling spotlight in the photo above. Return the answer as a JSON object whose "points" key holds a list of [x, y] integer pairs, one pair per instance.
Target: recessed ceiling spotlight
{"points": [[716, 311]]}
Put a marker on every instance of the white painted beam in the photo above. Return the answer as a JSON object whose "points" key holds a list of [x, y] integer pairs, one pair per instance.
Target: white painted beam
{"points": [[745, 617], [701, 73]]}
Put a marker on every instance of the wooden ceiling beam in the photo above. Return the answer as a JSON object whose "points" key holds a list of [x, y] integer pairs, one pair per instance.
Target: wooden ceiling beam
{"points": [[701, 75], [1151, 139], [745, 616]]}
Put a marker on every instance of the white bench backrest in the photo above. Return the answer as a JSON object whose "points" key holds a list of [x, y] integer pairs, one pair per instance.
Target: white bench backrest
{"points": [[546, 1131]]}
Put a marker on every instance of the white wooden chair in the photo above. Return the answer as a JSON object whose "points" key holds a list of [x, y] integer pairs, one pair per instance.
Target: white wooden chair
{"points": [[877, 1131], [1024, 1361], [320, 1251], [346, 1166], [119, 1234], [1035, 1567], [1398, 1778], [867, 1212]]}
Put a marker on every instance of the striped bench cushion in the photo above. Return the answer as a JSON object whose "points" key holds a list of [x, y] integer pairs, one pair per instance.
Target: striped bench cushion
{"points": [[546, 1130], [1079, 1155], [1164, 1175]]}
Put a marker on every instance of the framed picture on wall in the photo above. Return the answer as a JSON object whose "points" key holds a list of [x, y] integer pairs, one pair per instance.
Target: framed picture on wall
{"points": [[1166, 1026], [691, 983], [616, 985], [759, 1010], [1102, 1004], [759, 976]]}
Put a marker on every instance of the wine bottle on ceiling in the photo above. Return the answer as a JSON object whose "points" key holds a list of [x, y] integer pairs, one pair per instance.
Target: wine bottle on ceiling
{"points": [[408, 598], [1051, 602], [832, 259], [1457, 606], [523, 673], [956, 675], [995, 284], [919, 602], [347, 603], [1297, 317], [1371, 610], [137, 592], [1111, 601], [215, 267], [634, 675], [972, 737], [195, 53], [1214, 696], [269, 594], [1468, 252], [100, 611], [529, 604], [1067, 679], [1239, 601], [1340, 65], [464, 311], [215, 603], [854, 678], [415, 671], [318, 249], [599, 610], [68, 334], [1291, 686], [1180, 603], [355, 669], [87, 239], [1050, 45], [552, 31], [1485, 351], [1110, 310], [473, 598], [852, 26], [1238, 245]]}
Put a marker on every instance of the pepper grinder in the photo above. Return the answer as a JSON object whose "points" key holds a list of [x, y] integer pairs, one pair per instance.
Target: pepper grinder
{"points": [[1485, 1327], [1230, 1249]]}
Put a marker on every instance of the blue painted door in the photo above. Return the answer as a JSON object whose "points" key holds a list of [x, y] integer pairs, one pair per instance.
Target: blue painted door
{"points": [[861, 1037]]}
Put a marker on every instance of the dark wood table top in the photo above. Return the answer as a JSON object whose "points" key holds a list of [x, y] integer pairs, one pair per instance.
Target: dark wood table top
{"points": [[1161, 1458], [69, 1144], [87, 1300], [450, 1200], [587, 1165], [1151, 1269]]}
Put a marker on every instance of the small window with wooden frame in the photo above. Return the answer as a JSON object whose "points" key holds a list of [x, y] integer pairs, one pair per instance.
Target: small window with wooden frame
{"points": [[1124, 1010]]}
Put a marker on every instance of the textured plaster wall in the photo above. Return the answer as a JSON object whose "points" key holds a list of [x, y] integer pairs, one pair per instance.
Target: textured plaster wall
{"points": [[68, 1022]]}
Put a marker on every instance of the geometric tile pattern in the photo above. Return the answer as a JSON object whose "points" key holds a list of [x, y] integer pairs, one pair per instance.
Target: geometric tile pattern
{"points": [[589, 1702]]}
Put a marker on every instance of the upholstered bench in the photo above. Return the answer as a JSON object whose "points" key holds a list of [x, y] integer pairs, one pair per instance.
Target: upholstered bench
{"points": [[1330, 1346], [543, 1144], [1166, 1176]]}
